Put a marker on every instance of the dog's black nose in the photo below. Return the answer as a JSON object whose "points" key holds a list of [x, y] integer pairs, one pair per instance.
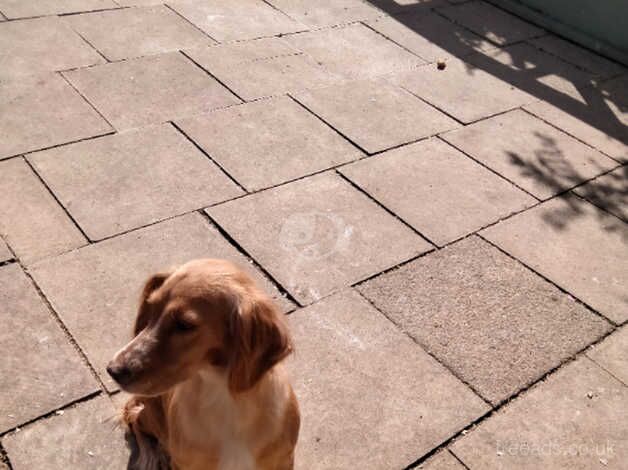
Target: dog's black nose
{"points": [[120, 374]]}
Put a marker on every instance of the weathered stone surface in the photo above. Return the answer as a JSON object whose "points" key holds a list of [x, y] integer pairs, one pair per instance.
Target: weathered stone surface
{"points": [[317, 235], [495, 323], [268, 142], [359, 379], [576, 419], [612, 354], [538, 157], [609, 191], [40, 369], [438, 190], [5, 253], [30, 219], [444, 460], [39, 112], [26, 8], [85, 436], [327, 12], [577, 246], [374, 114], [124, 181], [100, 284], [135, 32], [150, 90]]}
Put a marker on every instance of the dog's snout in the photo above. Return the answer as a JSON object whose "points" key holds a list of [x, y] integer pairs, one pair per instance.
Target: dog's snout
{"points": [[120, 373]]}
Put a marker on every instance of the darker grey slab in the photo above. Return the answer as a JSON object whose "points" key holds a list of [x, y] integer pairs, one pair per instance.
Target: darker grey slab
{"points": [[40, 369], [609, 191], [495, 323]]}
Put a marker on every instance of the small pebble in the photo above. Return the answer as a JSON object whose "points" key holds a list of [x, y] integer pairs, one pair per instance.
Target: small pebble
{"points": [[590, 395], [59, 412], [604, 462], [441, 64], [90, 453]]}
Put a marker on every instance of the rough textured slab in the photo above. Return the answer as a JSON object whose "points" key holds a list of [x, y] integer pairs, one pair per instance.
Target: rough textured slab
{"points": [[576, 245], [85, 436], [439, 191], [577, 419], [327, 12], [612, 354], [354, 51], [268, 142], [41, 112], [492, 321], [41, 45], [490, 22], [375, 115], [462, 91], [379, 387], [261, 68], [444, 460], [124, 181], [150, 90], [317, 235], [244, 19], [431, 37], [25, 8], [5, 253], [137, 31], [533, 154], [609, 192], [40, 369], [30, 219], [77, 282]]}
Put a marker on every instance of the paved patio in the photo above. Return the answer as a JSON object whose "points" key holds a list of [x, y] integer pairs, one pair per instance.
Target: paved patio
{"points": [[450, 244]]}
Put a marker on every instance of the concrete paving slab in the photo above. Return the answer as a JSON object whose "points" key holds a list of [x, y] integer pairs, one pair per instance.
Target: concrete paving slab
{"points": [[317, 235], [150, 90], [40, 369], [76, 283], [231, 21], [576, 419], [374, 114], [327, 12], [5, 253], [612, 354], [496, 324], [438, 190], [354, 51], [360, 380], [134, 32], [268, 142], [31, 221], [27, 8], [43, 111], [444, 460], [85, 436], [609, 192], [576, 245], [538, 157], [124, 181]]}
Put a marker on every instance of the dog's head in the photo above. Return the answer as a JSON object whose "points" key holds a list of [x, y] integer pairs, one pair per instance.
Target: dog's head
{"points": [[207, 315]]}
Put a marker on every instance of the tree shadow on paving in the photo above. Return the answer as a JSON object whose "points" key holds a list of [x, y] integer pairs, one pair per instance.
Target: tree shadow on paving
{"points": [[522, 66]]}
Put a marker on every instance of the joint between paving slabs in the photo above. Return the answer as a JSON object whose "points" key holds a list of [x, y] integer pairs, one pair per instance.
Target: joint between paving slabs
{"points": [[212, 76], [93, 47], [205, 33], [87, 101], [4, 458]]}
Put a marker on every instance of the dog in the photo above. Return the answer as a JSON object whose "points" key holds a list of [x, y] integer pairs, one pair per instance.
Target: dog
{"points": [[205, 374]]}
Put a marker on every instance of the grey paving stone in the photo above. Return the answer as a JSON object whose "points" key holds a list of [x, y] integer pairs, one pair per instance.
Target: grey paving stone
{"points": [[536, 156], [431, 36], [578, 246], [150, 90], [374, 114], [124, 181], [462, 91], [327, 12], [615, 90], [576, 419], [85, 436], [31, 221], [490, 22], [261, 68], [26, 8], [244, 19], [39, 112], [40, 369], [612, 354], [133, 32], [115, 270], [438, 190], [444, 460], [5, 253], [609, 191], [354, 51], [495, 323], [578, 56], [41, 45], [360, 380], [317, 235], [268, 142]]}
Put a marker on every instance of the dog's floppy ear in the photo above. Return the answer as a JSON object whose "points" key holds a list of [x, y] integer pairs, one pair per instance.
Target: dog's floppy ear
{"points": [[259, 340], [143, 314]]}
